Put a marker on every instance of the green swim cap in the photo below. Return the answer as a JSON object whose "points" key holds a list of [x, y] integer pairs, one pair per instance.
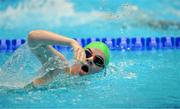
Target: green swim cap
{"points": [[101, 46]]}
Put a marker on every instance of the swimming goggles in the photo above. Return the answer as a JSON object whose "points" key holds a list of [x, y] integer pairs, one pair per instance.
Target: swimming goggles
{"points": [[98, 60]]}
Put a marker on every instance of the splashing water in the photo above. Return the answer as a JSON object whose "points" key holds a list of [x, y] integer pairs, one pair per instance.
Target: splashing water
{"points": [[23, 66], [19, 69]]}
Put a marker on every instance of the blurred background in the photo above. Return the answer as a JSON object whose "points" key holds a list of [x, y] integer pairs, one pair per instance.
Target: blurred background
{"points": [[90, 18]]}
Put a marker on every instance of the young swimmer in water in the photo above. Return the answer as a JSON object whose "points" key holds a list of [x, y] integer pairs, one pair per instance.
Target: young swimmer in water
{"points": [[93, 57]]}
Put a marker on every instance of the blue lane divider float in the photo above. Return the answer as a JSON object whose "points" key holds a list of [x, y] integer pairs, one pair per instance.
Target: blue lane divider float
{"points": [[135, 43], [10, 45]]}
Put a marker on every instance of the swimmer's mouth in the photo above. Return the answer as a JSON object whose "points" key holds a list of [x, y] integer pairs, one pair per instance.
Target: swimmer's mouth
{"points": [[84, 69]]}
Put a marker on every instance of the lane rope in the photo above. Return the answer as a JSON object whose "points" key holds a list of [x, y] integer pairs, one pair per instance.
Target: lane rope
{"points": [[121, 43]]}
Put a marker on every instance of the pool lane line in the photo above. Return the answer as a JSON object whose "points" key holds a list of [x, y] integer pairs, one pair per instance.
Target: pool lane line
{"points": [[121, 43]]}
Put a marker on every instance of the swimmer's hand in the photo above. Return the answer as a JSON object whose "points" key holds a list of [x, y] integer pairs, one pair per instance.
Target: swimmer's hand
{"points": [[79, 52]]}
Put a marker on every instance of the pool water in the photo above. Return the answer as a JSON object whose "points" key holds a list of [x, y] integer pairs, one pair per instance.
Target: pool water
{"points": [[133, 79], [136, 79]]}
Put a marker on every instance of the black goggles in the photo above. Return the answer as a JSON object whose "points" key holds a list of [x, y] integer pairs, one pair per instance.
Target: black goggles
{"points": [[98, 60]]}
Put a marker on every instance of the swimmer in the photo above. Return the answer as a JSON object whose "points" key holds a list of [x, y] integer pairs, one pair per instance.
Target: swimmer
{"points": [[92, 58]]}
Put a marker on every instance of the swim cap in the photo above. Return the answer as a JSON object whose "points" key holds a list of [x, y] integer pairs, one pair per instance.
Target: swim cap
{"points": [[103, 47]]}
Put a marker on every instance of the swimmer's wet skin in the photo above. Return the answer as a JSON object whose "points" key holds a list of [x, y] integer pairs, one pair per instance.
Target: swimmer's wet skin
{"points": [[92, 59]]}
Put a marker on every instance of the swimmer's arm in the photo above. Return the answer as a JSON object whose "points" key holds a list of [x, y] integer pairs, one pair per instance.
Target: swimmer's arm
{"points": [[48, 77], [52, 73], [57, 53], [48, 38]]}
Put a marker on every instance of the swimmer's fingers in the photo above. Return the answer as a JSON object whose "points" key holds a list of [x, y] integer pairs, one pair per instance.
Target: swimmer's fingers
{"points": [[76, 53], [80, 55], [83, 56]]}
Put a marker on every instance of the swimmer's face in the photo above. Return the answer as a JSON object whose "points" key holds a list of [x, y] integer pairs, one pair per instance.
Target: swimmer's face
{"points": [[95, 61]]}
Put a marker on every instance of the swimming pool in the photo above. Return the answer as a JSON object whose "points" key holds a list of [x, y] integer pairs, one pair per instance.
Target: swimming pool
{"points": [[138, 79]]}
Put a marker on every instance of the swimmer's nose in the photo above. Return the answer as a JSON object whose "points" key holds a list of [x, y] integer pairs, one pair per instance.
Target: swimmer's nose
{"points": [[89, 62]]}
